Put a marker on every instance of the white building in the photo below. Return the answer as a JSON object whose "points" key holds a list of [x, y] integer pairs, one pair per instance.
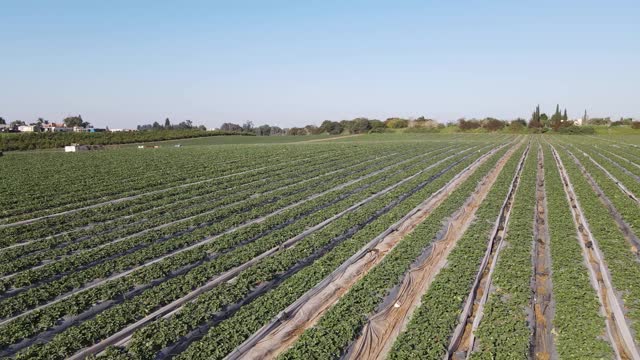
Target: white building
{"points": [[577, 122], [78, 147], [53, 127], [26, 128]]}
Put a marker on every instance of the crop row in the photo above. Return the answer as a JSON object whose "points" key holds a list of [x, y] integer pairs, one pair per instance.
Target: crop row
{"points": [[627, 168], [227, 205], [118, 210], [172, 235], [577, 321], [630, 182], [620, 261], [440, 306], [230, 333], [76, 279], [105, 188], [175, 288], [257, 238], [632, 160], [138, 217], [342, 323], [259, 274], [627, 207], [503, 332]]}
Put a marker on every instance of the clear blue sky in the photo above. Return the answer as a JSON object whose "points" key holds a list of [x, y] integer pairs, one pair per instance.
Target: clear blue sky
{"points": [[123, 63]]}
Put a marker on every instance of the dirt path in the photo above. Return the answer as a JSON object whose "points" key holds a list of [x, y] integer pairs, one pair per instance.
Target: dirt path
{"points": [[542, 303], [463, 339], [379, 334], [285, 329], [618, 331], [328, 139]]}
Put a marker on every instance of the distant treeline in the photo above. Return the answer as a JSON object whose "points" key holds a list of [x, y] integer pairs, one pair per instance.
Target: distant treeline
{"points": [[49, 140], [360, 125]]}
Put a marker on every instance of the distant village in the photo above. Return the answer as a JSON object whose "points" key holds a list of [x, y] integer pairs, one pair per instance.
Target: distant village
{"points": [[70, 124], [55, 127]]}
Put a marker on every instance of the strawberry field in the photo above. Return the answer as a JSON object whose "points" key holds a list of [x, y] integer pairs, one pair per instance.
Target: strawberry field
{"points": [[462, 246]]}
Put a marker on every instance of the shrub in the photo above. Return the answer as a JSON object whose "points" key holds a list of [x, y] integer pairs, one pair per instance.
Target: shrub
{"points": [[577, 130]]}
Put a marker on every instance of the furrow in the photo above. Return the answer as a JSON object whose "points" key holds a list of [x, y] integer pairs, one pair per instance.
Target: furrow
{"points": [[285, 328], [618, 331], [463, 338]]}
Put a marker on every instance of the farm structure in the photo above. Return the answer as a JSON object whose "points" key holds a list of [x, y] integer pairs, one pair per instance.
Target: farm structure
{"points": [[423, 246], [78, 147]]}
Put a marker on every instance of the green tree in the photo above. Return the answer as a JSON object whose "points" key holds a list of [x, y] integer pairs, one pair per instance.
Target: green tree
{"points": [[312, 129], [246, 127], [360, 126], [535, 121], [376, 124], [396, 123], [331, 127], [556, 119], [544, 120], [71, 121], [167, 123], [564, 115], [3, 121]]}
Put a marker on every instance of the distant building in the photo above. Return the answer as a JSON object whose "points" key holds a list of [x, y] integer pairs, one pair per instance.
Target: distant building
{"points": [[88, 130], [577, 122], [4, 127], [53, 127], [121, 130], [77, 147], [26, 128]]}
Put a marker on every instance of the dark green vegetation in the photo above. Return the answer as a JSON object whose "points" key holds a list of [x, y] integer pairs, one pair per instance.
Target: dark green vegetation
{"points": [[51, 140], [188, 252]]}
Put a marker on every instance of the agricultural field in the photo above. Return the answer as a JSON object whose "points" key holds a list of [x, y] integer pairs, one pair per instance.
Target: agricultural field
{"points": [[381, 246]]}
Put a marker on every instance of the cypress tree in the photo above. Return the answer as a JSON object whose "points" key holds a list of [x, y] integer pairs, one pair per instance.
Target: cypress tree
{"points": [[556, 119], [535, 118]]}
